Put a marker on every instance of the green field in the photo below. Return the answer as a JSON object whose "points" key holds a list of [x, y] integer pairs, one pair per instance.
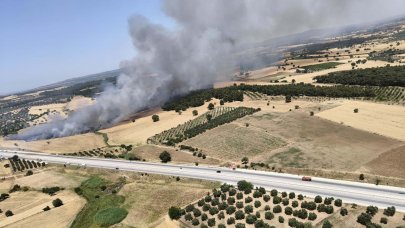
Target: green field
{"points": [[101, 198]]}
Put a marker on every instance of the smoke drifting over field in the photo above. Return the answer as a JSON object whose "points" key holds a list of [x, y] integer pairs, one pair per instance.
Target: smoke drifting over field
{"points": [[196, 53]]}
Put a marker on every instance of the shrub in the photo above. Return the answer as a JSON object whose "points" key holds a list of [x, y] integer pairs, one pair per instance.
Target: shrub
{"points": [[276, 200], [268, 215], [211, 222], [57, 202], [257, 194], [248, 209], [239, 204], [257, 204], [372, 210], [195, 222], [300, 197], [266, 198], [389, 211], [231, 200], [318, 199], [213, 211], [9, 213], [196, 212], [222, 206], [280, 219], [204, 217], [312, 216], [230, 210], [364, 218], [250, 219], [221, 225], [285, 201], [211, 106], [338, 202], [165, 157], [267, 208], [292, 222], [206, 207], [257, 214], [240, 225], [244, 185], [221, 215], [239, 195], [239, 215], [47, 208], [29, 173], [195, 113], [343, 212], [214, 202], [207, 198], [273, 192], [232, 192], [284, 194], [288, 210], [328, 200], [291, 195], [327, 224], [384, 220], [155, 118], [248, 199], [361, 177], [277, 209], [230, 221], [203, 225], [294, 204], [189, 208], [201, 202], [188, 217]]}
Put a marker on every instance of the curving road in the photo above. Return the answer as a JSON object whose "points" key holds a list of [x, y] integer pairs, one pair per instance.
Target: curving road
{"points": [[349, 192]]}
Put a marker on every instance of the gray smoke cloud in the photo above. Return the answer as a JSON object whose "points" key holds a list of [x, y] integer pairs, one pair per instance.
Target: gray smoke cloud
{"points": [[197, 52]]}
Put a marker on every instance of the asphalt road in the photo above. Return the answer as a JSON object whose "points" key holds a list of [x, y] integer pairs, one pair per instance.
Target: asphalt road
{"points": [[349, 192]]}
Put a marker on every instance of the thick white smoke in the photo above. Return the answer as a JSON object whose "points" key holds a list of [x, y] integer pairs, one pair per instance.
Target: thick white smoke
{"points": [[198, 52]]}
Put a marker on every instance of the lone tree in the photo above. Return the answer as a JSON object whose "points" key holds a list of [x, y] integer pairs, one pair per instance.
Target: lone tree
{"points": [[195, 112], [155, 118], [57, 202], [174, 213], [210, 106], [165, 157], [356, 110], [361, 177]]}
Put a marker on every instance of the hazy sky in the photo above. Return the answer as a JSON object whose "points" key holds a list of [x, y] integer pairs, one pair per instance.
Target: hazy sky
{"points": [[45, 41]]}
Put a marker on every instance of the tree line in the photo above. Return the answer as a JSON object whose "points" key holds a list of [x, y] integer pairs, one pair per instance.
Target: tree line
{"points": [[381, 76]]}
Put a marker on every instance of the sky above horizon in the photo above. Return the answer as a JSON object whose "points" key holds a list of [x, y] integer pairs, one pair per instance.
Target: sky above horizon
{"points": [[43, 42]]}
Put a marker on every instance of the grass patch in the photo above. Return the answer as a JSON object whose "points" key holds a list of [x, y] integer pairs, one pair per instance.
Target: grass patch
{"points": [[110, 216], [322, 66], [100, 196], [105, 138], [290, 158]]}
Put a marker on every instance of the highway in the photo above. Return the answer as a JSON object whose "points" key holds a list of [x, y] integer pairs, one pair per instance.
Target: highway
{"points": [[349, 192]]}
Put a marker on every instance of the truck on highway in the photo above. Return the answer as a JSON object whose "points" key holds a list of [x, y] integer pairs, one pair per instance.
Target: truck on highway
{"points": [[306, 178]]}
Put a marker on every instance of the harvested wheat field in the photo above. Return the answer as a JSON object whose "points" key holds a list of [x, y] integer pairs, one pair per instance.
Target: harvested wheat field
{"points": [[152, 152], [387, 120], [57, 145], [139, 131], [27, 208], [50, 178], [148, 199], [390, 163], [294, 139]]}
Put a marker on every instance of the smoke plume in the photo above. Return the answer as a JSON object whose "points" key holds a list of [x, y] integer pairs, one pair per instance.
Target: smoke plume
{"points": [[197, 52]]}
